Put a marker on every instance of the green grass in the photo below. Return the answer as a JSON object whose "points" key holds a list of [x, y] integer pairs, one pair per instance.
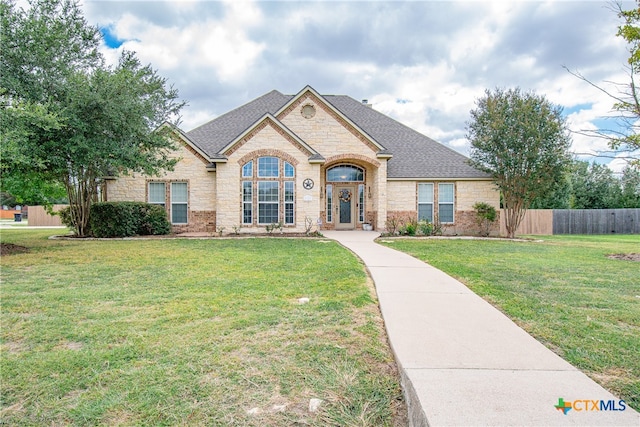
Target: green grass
{"points": [[191, 332], [564, 291]]}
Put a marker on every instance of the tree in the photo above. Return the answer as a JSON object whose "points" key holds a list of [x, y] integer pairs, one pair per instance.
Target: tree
{"points": [[624, 136], [593, 186], [70, 118], [557, 197], [521, 140], [630, 192]]}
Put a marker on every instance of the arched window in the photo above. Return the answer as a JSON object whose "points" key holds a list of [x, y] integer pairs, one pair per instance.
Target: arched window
{"points": [[345, 173], [268, 192]]}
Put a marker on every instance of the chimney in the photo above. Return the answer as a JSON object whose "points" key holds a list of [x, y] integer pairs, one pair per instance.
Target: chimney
{"points": [[366, 102]]}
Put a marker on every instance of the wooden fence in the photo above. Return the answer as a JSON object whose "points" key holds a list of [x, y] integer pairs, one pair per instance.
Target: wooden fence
{"points": [[576, 221], [535, 221], [39, 217], [596, 221]]}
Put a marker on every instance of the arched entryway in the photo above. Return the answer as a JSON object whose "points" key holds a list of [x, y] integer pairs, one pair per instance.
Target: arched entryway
{"points": [[346, 195]]}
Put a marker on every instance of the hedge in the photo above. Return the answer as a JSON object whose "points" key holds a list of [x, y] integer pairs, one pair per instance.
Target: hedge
{"points": [[124, 219]]}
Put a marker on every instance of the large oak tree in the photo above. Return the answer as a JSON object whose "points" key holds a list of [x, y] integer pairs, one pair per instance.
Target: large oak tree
{"points": [[69, 118], [520, 139]]}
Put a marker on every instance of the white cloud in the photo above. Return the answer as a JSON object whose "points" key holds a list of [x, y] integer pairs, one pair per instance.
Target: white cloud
{"points": [[214, 46], [438, 56]]}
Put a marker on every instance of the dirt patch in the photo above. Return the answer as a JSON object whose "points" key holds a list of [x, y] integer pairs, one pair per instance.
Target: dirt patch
{"points": [[625, 257], [10, 249]]}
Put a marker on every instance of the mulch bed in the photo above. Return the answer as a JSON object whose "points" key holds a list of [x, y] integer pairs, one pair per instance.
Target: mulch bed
{"points": [[10, 249], [625, 257]]}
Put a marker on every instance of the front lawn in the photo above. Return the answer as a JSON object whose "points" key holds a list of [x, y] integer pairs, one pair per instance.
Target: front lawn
{"points": [[191, 332], [564, 291]]}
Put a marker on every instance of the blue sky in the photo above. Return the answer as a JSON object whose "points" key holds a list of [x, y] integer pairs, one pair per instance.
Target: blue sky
{"points": [[423, 63]]}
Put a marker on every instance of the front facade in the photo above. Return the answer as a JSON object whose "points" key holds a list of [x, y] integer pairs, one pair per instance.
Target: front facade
{"points": [[307, 159]]}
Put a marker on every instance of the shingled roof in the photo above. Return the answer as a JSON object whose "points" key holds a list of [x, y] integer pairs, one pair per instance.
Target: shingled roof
{"points": [[414, 154]]}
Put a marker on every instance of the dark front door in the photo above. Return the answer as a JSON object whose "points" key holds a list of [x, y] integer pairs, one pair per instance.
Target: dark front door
{"points": [[345, 208]]}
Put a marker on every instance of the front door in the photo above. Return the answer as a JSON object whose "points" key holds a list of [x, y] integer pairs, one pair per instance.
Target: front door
{"points": [[345, 208]]}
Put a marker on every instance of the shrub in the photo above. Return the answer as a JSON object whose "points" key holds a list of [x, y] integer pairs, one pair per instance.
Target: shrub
{"points": [[425, 228], [392, 224], [409, 227], [485, 216], [123, 219]]}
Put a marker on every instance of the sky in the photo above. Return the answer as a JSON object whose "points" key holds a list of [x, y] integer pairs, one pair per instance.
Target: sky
{"points": [[424, 63]]}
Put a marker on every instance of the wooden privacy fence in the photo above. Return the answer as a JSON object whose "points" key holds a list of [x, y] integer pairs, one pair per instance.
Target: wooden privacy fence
{"points": [[39, 217], [576, 221], [596, 221]]}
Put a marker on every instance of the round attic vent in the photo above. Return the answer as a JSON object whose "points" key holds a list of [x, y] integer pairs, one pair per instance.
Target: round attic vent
{"points": [[308, 111]]}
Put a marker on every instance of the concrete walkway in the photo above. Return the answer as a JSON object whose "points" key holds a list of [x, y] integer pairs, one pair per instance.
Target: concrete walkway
{"points": [[463, 363]]}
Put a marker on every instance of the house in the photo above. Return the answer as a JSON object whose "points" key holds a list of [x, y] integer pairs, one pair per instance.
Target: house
{"points": [[295, 159]]}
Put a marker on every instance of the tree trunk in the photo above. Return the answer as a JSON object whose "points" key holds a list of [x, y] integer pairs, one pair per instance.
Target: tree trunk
{"points": [[81, 191], [514, 215]]}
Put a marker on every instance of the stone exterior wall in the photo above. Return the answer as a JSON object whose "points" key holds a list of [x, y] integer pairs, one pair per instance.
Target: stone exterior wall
{"points": [[402, 196], [201, 185], [229, 180], [468, 193], [402, 203]]}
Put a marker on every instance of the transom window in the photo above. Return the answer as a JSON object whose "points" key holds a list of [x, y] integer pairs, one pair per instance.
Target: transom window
{"points": [[268, 167], [345, 173]]}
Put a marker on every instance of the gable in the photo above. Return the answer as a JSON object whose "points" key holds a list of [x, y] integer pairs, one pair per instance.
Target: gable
{"points": [[275, 130]]}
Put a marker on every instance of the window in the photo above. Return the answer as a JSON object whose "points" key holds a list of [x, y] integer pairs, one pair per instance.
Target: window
{"points": [[345, 173], [268, 198], [329, 203], [425, 202], [157, 195], [247, 202], [445, 202], [361, 202], [272, 199], [289, 171], [288, 203], [268, 167], [179, 203], [247, 170]]}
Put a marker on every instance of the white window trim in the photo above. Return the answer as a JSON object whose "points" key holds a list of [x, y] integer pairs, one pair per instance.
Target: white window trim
{"points": [[277, 202], [164, 195], [277, 167], [426, 203], [250, 162], [453, 203], [249, 202], [179, 203], [291, 202]]}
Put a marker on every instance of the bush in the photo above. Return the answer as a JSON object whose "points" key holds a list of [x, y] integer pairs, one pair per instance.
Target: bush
{"points": [[425, 228], [409, 227], [124, 219], [485, 216]]}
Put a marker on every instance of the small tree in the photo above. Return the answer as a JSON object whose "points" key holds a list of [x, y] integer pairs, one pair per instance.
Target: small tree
{"points": [[522, 141], [485, 216]]}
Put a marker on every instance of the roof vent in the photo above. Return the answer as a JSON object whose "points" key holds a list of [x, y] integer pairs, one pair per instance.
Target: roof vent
{"points": [[366, 102]]}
